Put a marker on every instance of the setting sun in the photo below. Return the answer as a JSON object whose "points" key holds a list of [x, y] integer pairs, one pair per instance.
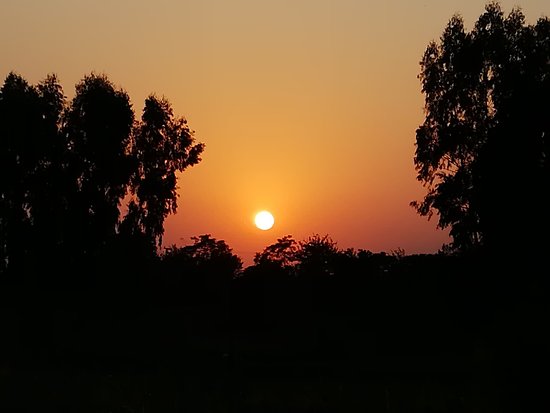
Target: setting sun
{"points": [[264, 220]]}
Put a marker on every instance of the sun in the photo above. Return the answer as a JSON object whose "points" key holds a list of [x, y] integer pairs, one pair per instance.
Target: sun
{"points": [[264, 220]]}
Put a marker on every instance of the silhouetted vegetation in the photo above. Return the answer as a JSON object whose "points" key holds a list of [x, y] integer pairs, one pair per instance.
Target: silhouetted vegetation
{"points": [[308, 327], [66, 168], [97, 317], [482, 151]]}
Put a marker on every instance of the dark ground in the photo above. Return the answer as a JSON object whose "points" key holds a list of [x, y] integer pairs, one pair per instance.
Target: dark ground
{"points": [[424, 337]]}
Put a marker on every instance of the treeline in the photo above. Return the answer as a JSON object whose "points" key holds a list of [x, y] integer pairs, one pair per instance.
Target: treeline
{"points": [[327, 328], [66, 167], [85, 187]]}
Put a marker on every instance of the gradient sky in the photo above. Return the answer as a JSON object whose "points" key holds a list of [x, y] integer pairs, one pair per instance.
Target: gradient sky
{"points": [[308, 108]]}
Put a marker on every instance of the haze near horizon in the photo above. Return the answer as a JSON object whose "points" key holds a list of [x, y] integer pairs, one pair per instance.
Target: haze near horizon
{"points": [[308, 109]]}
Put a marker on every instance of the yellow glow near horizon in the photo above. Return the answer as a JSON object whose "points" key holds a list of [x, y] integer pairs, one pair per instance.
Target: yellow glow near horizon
{"points": [[309, 107], [264, 220]]}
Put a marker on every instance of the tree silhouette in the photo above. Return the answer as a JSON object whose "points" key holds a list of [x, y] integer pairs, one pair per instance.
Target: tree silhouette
{"points": [[163, 146], [482, 149], [317, 255], [207, 260], [30, 168], [65, 169], [49, 189], [281, 254], [98, 127]]}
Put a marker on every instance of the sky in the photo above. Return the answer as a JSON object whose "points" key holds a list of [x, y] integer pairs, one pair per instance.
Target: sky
{"points": [[308, 108]]}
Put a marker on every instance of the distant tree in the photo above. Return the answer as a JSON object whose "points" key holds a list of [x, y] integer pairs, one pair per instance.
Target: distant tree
{"points": [[376, 263], [482, 151], [281, 254], [317, 255], [398, 253], [207, 256]]}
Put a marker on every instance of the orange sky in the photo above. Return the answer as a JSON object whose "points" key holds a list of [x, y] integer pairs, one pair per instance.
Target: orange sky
{"points": [[308, 108]]}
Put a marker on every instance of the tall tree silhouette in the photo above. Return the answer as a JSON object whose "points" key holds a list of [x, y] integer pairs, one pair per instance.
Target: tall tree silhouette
{"points": [[66, 167], [163, 146], [482, 151], [30, 154], [98, 127]]}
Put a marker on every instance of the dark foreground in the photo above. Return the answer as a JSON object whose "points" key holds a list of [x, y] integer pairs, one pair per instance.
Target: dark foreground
{"points": [[430, 334]]}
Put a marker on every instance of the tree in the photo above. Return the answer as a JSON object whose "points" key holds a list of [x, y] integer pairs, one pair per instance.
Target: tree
{"points": [[48, 194], [98, 127], [163, 145], [30, 153], [317, 255], [66, 167], [482, 151], [281, 254], [207, 256]]}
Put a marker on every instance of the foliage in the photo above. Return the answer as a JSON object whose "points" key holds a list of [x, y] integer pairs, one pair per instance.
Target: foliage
{"points": [[281, 254], [97, 125], [66, 167], [482, 150], [206, 256], [398, 253], [30, 149], [316, 255], [163, 146]]}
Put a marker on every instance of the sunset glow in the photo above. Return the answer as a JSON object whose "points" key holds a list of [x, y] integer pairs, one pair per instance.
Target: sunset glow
{"points": [[308, 106]]}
